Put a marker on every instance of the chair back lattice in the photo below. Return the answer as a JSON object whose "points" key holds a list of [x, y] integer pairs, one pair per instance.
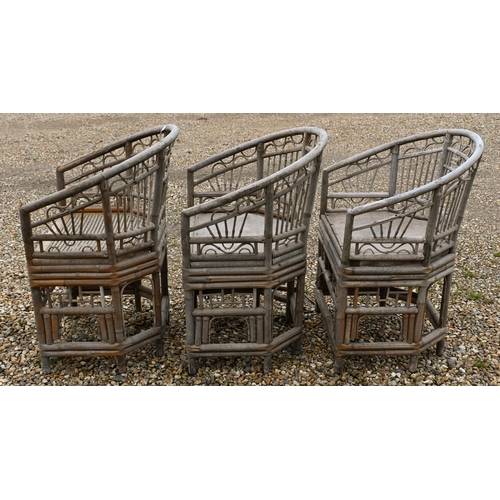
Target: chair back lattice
{"points": [[405, 199]]}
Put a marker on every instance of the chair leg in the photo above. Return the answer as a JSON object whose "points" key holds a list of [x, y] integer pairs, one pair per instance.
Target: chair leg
{"points": [[122, 363], [299, 300], [165, 298], [159, 348], [165, 313], [320, 285], [339, 364], [289, 297], [192, 366], [413, 364], [164, 277], [137, 294], [440, 348], [118, 313], [267, 364], [268, 317], [298, 313], [189, 301], [443, 316], [159, 311], [46, 365], [297, 347], [341, 336]]}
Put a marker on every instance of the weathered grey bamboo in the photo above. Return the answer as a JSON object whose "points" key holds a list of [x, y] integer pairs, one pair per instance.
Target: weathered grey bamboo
{"points": [[244, 241], [100, 237], [389, 221]]}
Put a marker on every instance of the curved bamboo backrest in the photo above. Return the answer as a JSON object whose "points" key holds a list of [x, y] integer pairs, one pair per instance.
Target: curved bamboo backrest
{"points": [[250, 206], [110, 206], [404, 200]]}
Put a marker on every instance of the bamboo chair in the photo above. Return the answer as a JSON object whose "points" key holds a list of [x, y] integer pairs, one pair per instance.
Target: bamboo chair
{"points": [[99, 239], [244, 241], [389, 221]]}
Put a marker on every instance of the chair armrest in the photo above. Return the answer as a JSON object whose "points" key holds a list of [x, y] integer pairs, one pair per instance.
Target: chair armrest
{"points": [[357, 180]]}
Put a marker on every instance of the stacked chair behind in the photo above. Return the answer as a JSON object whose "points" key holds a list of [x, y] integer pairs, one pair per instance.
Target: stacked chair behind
{"points": [[98, 240]]}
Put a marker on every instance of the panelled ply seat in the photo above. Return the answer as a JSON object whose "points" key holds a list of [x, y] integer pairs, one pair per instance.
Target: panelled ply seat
{"points": [[389, 221], [244, 241], [96, 251]]}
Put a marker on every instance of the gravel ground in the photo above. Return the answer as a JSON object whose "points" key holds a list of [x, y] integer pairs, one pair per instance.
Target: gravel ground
{"points": [[32, 145]]}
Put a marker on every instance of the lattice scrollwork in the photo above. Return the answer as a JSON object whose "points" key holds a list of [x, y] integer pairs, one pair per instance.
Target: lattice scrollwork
{"points": [[244, 165], [368, 177], [236, 225], [279, 153], [226, 175], [373, 176], [454, 197], [418, 163], [290, 200], [387, 232], [106, 158], [232, 229], [228, 299]]}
